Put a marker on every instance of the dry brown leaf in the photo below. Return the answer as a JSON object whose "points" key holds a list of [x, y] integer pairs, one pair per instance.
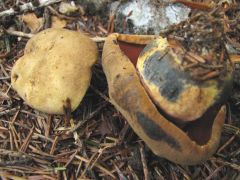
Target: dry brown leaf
{"points": [[57, 22], [32, 22]]}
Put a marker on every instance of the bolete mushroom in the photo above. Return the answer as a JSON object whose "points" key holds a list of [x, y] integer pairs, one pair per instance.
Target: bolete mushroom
{"points": [[150, 106], [179, 92], [56, 66]]}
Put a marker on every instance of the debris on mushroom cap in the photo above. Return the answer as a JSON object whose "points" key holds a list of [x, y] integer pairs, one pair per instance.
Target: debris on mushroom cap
{"points": [[56, 66], [177, 91]]}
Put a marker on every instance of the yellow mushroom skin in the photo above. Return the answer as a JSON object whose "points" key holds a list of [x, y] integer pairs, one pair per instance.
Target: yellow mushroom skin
{"points": [[56, 66], [129, 96]]}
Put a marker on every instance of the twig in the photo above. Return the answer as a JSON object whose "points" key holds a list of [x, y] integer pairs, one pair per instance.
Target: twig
{"points": [[28, 7], [71, 158], [4, 78], [96, 39], [5, 175], [3, 129], [67, 112], [91, 161], [144, 163], [54, 144], [19, 33], [27, 141], [8, 111], [214, 173], [230, 129], [110, 27], [120, 174], [96, 165], [100, 94], [226, 163], [90, 116], [6, 152], [195, 5], [228, 142]]}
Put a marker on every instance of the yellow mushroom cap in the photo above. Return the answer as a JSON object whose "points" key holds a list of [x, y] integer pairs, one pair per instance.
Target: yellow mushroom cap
{"points": [[56, 66], [173, 89]]}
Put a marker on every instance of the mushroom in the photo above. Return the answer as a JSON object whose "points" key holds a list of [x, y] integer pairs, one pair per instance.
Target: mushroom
{"points": [[135, 91], [179, 92], [55, 68]]}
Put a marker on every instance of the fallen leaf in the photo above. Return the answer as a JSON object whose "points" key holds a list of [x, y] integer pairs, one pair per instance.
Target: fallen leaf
{"points": [[32, 22], [57, 22]]}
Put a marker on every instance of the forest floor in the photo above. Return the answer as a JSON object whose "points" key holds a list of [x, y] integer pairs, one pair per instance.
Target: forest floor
{"points": [[99, 144]]}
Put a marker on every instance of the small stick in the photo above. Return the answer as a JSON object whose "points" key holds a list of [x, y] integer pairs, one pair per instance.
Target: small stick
{"points": [[4, 78], [54, 144], [71, 158], [226, 163], [19, 33], [144, 163], [96, 39], [96, 165], [27, 141], [15, 116], [100, 94], [210, 75], [88, 164], [211, 66], [3, 129], [28, 7], [7, 111], [194, 5], [189, 66], [67, 112], [120, 174], [90, 116], [196, 57], [214, 173], [110, 27], [228, 142]]}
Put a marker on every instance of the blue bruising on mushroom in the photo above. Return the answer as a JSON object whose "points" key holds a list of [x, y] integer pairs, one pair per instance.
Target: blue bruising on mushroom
{"points": [[155, 132], [150, 46], [160, 70]]}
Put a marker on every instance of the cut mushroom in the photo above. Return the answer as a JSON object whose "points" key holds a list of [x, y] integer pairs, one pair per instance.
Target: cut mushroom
{"points": [[190, 144], [56, 66]]}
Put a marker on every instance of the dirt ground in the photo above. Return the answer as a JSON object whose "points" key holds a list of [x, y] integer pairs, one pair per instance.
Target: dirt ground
{"points": [[99, 143]]}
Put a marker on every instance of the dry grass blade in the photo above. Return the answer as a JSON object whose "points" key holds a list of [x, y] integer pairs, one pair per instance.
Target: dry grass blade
{"points": [[96, 39], [27, 141], [195, 5], [28, 7], [54, 144], [196, 57], [144, 163], [96, 165], [222, 162], [10, 176], [228, 142]]}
